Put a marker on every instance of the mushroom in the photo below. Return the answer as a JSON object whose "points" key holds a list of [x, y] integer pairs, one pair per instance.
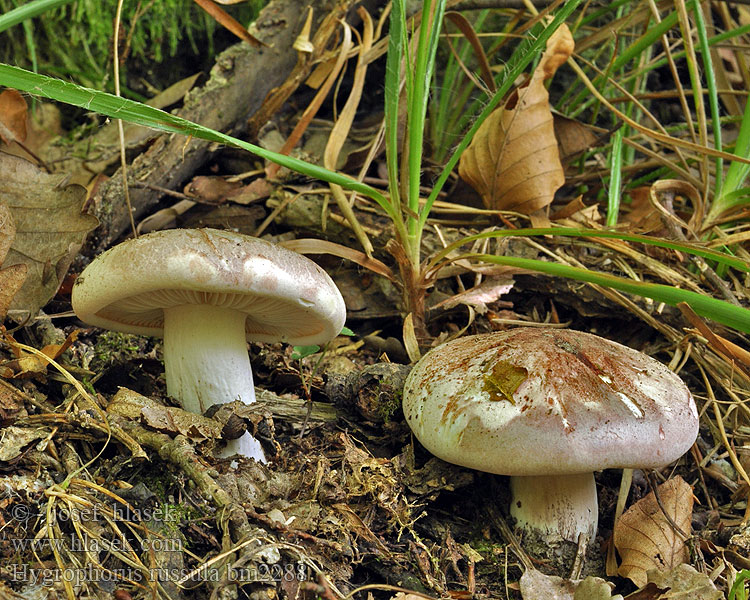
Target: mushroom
{"points": [[549, 407], [207, 292]]}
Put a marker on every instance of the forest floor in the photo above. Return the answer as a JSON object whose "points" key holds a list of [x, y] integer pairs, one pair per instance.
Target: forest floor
{"points": [[108, 489]]}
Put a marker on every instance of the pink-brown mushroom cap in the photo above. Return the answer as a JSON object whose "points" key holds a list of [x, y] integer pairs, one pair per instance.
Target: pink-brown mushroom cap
{"points": [[536, 401]]}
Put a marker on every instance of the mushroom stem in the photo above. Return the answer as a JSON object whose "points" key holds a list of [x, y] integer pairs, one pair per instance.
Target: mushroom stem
{"points": [[558, 507], [206, 363]]}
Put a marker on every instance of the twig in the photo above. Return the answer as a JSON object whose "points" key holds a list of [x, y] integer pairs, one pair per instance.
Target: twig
{"points": [[509, 537]]}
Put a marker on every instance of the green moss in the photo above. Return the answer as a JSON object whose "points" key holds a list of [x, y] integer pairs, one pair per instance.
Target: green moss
{"points": [[393, 397], [112, 346], [75, 40]]}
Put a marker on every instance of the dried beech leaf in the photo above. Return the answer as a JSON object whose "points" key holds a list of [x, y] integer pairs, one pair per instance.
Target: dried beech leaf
{"points": [[131, 405], [13, 111], [7, 231], [50, 228], [12, 277], [14, 439], [27, 364], [595, 588], [681, 583], [560, 47], [644, 536], [11, 405], [210, 189], [535, 585], [573, 137], [11, 280], [478, 297], [513, 162]]}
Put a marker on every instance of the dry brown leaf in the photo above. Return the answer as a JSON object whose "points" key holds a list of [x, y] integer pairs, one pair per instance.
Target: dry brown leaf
{"points": [[573, 137], [14, 439], [50, 229], [681, 583], [513, 162], [646, 539], [643, 217], [132, 405], [13, 276], [404, 596], [27, 364], [13, 111], [210, 189], [11, 405], [478, 297], [560, 47], [214, 190], [535, 585]]}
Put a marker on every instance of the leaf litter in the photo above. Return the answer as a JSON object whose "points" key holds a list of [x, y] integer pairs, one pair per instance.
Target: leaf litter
{"points": [[349, 498]]}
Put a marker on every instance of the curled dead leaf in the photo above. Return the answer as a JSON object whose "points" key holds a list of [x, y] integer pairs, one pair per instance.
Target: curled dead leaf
{"points": [[11, 404], [574, 137], [14, 440], [645, 537], [560, 47], [26, 364]]}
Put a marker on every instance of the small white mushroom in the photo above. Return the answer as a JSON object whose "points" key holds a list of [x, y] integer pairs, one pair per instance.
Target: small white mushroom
{"points": [[549, 407], [207, 292]]}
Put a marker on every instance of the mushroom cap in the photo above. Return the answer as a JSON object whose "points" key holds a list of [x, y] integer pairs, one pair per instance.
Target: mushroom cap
{"points": [[536, 401], [286, 296]]}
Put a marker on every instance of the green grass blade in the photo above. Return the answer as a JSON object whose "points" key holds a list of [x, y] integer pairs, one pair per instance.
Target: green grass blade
{"points": [[732, 192], [706, 306], [142, 114], [396, 41], [630, 54], [713, 95], [603, 13], [429, 35], [615, 179], [719, 257], [738, 591], [28, 11]]}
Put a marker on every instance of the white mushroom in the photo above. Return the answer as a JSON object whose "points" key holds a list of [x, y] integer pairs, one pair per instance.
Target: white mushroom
{"points": [[207, 292], [549, 407]]}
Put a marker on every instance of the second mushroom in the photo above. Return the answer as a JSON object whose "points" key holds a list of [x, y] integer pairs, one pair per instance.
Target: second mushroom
{"points": [[549, 407]]}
